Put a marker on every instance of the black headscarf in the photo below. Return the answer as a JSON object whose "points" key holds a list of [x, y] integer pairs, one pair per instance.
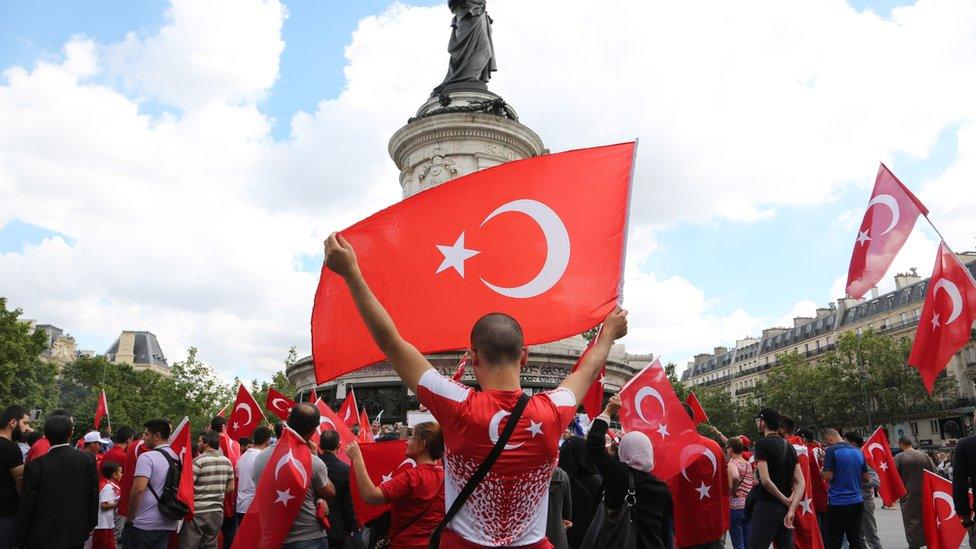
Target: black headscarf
{"points": [[575, 459]]}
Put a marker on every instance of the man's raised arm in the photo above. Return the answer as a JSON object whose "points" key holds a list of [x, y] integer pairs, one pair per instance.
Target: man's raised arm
{"points": [[614, 328], [408, 362]]}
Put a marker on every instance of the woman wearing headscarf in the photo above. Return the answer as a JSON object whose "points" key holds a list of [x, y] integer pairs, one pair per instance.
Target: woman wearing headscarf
{"points": [[586, 486], [653, 508]]}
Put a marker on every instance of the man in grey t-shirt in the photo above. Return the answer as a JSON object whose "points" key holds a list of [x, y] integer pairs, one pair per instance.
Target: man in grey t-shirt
{"points": [[306, 531], [149, 529]]}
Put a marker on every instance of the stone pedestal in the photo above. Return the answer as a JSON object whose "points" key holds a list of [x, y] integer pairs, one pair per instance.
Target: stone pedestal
{"points": [[456, 134]]}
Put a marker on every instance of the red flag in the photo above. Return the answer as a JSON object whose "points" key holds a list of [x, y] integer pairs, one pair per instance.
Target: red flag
{"points": [[383, 460], [279, 404], [701, 494], [223, 411], [102, 409], [877, 453], [818, 488], [593, 401], [943, 527], [806, 529], [246, 415], [365, 432], [696, 408], [132, 453], [279, 494], [232, 450], [548, 251], [312, 397], [947, 317], [181, 442], [888, 221], [329, 420], [459, 372], [349, 411], [650, 406]]}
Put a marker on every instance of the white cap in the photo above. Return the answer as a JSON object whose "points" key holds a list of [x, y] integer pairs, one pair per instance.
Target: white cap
{"points": [[94, 436]]}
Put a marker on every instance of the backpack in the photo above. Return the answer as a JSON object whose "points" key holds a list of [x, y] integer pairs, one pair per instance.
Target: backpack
{"points": [[169, 504]]}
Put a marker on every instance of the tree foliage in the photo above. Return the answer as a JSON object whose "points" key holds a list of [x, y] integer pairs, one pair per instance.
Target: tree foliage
{"points": [[24, 378]]}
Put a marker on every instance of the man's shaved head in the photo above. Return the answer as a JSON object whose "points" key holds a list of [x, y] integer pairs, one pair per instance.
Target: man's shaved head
{"points": [[497, 339]]}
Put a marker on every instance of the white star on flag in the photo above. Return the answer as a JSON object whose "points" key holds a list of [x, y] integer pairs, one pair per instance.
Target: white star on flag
{"points": [[703, 491], [805, 504], [236, 426], [455, 256], [663, 430], [534, 428], [387, 478], [862, 237], [935, 321], [283, 497], [883, 466]]}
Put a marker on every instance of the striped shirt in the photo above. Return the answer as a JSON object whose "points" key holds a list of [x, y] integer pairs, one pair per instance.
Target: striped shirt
{"points": [[747, 479], [211, 473]]}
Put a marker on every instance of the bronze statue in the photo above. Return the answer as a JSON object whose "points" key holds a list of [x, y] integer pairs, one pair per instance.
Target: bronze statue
{"points": [[470, 46]]}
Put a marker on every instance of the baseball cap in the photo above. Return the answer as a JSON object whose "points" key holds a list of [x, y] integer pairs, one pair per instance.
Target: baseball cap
{"points": [[95, 436], [771, 417]]}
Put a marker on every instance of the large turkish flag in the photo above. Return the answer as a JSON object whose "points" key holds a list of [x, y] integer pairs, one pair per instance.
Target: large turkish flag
{"points": [[877, 452], [947, 317], [649, 405], [888, 221], [943, 527], [540, 239], [383, 461], [279, 404], [806, 529], [700, 494]]}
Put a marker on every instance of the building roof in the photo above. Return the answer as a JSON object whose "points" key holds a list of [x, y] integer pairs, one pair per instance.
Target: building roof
{"points": [[145, 348]]}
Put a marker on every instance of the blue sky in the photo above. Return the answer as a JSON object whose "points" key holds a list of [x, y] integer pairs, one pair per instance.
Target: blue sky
{"points": [[763, 267]]}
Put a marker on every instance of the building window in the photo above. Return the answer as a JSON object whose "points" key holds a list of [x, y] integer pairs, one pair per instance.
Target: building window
{"points": [[914, 427], [917, 312], [904, 317], [933, 426]]}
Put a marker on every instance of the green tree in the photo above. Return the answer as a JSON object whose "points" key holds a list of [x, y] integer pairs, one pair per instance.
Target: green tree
{"points": [[195, 391], [728, 415], [24, 378]]}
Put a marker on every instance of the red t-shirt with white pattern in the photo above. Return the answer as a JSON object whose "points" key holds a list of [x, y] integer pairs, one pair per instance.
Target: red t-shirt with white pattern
{"points": [[510, 505]]}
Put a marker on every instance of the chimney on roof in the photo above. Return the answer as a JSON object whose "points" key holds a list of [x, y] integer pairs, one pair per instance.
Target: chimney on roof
{"points": [[770, 332], [801, 321], [906, 279], [824, 312], [701, 357], [720, 350], [874, 293]]}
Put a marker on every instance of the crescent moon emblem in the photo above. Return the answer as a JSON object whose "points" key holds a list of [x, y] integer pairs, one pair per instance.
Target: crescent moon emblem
{"points": [[324, 419], [692, 449], [247, 407], [409, 461], [887, 200], [641, 395], [956, 297], [346, 417], [557, 243], [874, 445], [290, 458], [493, 429], [279, 404], [944, 497]]}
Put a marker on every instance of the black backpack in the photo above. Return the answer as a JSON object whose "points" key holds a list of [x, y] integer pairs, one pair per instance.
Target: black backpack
{"points": [[169, 505]]}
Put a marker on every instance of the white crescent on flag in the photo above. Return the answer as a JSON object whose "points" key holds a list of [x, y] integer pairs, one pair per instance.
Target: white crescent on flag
{"points": [[247, 407], [692, 450], [954, 294], [290, 458], [641, 395], [280, 404], [939, 494], [887, 200]]}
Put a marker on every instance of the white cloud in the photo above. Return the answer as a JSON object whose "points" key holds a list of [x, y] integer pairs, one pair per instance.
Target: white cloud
{"points": [[191, 223]]}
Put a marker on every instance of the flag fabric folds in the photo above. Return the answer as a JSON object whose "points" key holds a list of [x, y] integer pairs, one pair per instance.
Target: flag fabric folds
{"points": [[279, 495], [947, 317], [101, 409], [329, 420], [181, 442], [132, 453], [541, 239], [279, 404], [877, 453], [942, 526], [383, 461], [700, 492], [365, 432], [245, 416], [806, 528], [593, 401], [459, 371], [889, 219], [696, 409], [649, 405], [349, 411]]}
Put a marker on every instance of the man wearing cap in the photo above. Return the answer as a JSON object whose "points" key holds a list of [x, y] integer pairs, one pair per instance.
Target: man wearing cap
{"points": [[780, 485], [93, 445]]}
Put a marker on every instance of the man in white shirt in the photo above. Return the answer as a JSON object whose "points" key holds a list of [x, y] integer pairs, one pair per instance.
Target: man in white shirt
{"points": [[245, 467]]}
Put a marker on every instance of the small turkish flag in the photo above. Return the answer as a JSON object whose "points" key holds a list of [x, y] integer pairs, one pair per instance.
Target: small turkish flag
{"points": [[181, 442], [132, 454], [943, 527], [383, 461], [701, 494], [649, 405], [806, 529], [593, 400], [365, 432], [888, 221], [541, 239], [877, 453], [329, 420], [312, 397], [947, 317], [246, 415], [696, 408], [279, 404], [102, 409], [349, 411], [279, 494], [232, 451], [462, 364]]}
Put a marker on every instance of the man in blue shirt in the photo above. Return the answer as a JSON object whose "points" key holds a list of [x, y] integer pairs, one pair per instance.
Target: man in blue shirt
{"points": [[843, 469]]}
